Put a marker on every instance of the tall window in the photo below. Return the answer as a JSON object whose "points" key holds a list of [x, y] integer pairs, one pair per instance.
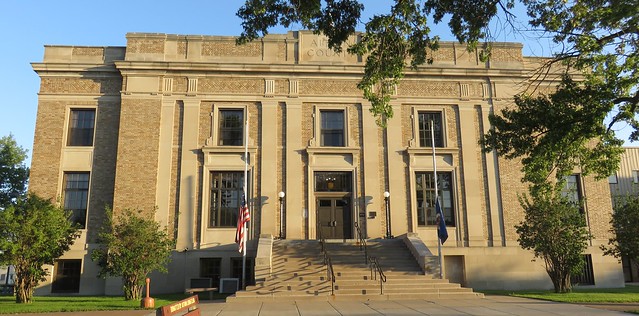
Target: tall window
{"points": [[226, 192], [425, 186], [332, 131], [236, 270], [210, 268], [424, 128], [67, 276], [572, 190], [76, 196], [231, 128], [81, 125]]}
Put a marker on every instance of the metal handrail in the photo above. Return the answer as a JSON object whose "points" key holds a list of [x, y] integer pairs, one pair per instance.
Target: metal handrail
{"points": [[374, 266], [330, 273], [362, 242]]}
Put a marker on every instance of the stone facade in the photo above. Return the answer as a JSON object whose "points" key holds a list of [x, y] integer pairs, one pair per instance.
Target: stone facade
{"points": [[159, 103]]}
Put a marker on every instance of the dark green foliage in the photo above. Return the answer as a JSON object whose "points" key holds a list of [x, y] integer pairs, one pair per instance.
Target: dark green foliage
{"points": [[555, 230], [625, 227], [33, 232], [553, 134], [14, 174], [336, 19], [132, 246]]}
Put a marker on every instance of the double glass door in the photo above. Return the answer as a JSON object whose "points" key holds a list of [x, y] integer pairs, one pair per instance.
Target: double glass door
{"points": [[334, 217]]}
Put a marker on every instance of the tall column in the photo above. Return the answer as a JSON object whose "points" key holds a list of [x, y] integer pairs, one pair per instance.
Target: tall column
{"points": [[295, 210], [492, 172], [395, 151], [270, 165], [373, 185], [164, 161], [188, 175], [472, 177]]}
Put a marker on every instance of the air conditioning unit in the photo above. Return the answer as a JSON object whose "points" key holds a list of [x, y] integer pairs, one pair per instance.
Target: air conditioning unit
{"points": [[229, 285]]}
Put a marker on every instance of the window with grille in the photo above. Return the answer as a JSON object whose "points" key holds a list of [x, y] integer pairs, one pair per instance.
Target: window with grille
{"points": [[586, 276], [81, 126], [226, 192], [424, 129], [231, 127], [76, 196], [425, 194], [67, 276], [236, 270], [210, 268], [572, 191], [332, 128]]}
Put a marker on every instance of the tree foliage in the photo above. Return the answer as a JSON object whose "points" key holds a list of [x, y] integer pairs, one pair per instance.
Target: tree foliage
{"points": [[132, 246], [555, 230], [598, 38], [33, 232], [554, 133], [14, 174], [625, 240]]}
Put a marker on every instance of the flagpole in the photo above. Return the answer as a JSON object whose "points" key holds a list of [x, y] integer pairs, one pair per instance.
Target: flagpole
{"points": [[246, 131], [439, 242]]}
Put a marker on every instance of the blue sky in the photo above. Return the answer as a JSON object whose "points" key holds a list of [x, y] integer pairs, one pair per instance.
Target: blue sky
{"points": [[28, 25]]}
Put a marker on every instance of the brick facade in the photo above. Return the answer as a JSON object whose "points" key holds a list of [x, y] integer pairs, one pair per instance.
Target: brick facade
{"points": [[156, 143]]}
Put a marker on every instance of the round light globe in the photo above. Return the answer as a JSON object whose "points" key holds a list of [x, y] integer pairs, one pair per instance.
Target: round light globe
{"points": [[386, 194], [281, 194]]}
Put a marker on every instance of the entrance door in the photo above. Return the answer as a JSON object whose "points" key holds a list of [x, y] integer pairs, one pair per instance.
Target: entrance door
{"points": [[334, 217]]}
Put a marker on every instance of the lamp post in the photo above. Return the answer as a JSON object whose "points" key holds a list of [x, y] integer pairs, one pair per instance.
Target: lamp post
{"points": [[281, 198], [388, 219]]}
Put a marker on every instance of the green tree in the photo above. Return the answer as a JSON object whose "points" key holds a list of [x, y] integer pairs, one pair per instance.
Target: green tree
{"points": [[625, 240], [599, 38], [551, 147], [555, 230], [14, 174], [33, 232], [132, 246]]}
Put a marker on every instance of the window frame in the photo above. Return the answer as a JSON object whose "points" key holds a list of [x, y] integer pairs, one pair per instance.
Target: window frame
{"points": [[65, 194], [215, 279], [416, 111], [318, 124], [69, 128], [450, 210], [76, 279], [218, 211], [578, 192], [216, 132]]}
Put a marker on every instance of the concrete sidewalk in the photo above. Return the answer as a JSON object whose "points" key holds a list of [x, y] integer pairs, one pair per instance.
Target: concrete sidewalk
{"points": [[491, 305]]}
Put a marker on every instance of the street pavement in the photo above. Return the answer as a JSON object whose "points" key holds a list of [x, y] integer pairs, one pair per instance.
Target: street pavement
{"points": [[488, 306]]}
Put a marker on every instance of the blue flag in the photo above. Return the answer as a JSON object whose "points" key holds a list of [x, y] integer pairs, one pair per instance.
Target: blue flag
{"points": [[442, 233]]}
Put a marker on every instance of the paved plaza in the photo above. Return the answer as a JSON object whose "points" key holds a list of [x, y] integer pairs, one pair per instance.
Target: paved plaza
{"points": [[491, 305]]}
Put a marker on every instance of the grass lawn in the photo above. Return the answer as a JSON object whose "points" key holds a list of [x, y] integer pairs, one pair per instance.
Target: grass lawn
{"points": [[44, 304], [629, 294]]}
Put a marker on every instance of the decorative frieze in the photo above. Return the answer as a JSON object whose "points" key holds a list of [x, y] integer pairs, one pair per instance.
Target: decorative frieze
{"points": [[329, 87]]}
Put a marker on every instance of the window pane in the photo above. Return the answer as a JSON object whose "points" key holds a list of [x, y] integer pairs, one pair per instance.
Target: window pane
{"points": [[231, 129], [332, 129], [424, 130], [425, 196], [76, 196], [333, 181], [572, 190], [81, 127], [210, 268], [226, 192]]}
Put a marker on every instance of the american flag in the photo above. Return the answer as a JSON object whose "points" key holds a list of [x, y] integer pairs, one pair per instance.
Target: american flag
{"points": [[243, 216]]}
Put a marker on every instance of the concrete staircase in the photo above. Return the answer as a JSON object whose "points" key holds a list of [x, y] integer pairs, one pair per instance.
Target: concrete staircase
{"points": [[298, 273]]}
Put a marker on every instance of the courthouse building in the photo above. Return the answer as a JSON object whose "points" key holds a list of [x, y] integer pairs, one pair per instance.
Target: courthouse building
{"points": [[158, 125]]}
